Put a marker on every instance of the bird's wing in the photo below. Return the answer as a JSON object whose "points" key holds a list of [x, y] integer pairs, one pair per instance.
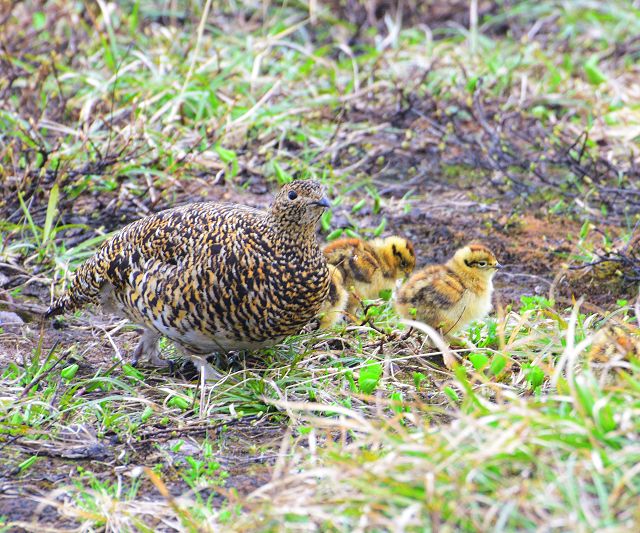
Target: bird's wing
{"points": [[435, 288], [179, 236], [446, 289], [196, 230], [363, 266]]}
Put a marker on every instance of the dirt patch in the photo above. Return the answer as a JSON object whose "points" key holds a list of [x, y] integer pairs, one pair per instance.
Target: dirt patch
{"points": [[242, 472]]}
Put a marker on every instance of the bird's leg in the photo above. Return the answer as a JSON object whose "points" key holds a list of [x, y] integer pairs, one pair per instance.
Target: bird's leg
{"points": [[148, 348], [239, 360], [205, 369], [407, 334], [221, 360], [458, 342], [454, 341]]}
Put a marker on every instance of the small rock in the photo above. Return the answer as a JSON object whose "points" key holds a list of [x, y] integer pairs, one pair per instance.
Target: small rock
{"points": [[8, 318], [184, 447]]}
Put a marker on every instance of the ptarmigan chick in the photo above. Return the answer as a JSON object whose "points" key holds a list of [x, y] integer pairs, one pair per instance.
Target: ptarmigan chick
{"points": [[448, 297], [212, 277], [370, 267], [336, 302]]}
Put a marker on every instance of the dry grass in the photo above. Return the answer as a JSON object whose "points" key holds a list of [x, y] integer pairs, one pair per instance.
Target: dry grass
{"points": [[509, 122]]}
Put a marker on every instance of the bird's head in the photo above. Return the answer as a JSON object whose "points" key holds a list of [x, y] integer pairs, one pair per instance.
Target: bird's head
{"points": [[300, 204], [477, 259], [397, 254]]}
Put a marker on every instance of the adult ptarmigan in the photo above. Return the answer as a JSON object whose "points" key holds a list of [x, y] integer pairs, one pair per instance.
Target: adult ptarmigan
{"points": [[211, 277]]}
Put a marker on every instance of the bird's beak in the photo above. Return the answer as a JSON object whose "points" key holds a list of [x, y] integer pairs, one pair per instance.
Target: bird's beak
{"points": [[323, 202], [498, 266]]}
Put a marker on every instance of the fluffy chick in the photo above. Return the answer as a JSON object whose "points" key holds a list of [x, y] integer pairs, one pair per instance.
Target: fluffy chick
{"points": [[212, 277], [448, 297], [370, 267], [336, 302], [615, 343]]}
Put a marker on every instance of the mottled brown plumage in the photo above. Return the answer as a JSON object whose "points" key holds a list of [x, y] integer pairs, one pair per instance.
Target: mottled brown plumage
{"points": [[450, 296], [369, 267], [212, 277]]}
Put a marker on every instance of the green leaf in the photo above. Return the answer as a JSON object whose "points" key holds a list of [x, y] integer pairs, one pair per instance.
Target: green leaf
{"points": [[132, 372], [374, 311], [134, 18], [380, 228], [34, 229], [478, 360], [535, 376], [335, 234], [452, 394], [418, 378], [605, 419], [69, 372], [179, 402], [108, 53], [497, 364], [594, 75], [282, 176], [29, 462], [349, 377], [38, 20], [228, 157], [385, 294], [376, 202], [146, 414], [357, 207], [369, 377], [397, 402], [52, 210], [325, 220]]}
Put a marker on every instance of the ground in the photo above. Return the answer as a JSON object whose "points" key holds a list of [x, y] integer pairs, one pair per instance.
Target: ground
{"points": [[509, 123]]}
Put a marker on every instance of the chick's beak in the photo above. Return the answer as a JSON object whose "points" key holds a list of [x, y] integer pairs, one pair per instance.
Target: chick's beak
{"points": [[323, 202], [498, 266]]}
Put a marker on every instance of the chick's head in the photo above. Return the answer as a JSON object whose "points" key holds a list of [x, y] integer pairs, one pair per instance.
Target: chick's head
{"points": [[397, 254], [477, 259], [300, 203]]}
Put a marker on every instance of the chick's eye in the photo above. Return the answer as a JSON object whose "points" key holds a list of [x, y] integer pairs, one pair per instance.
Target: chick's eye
{"points": [[293, 195], [482, 264]]}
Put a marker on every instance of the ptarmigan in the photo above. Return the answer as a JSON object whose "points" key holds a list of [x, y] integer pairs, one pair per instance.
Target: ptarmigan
{"points": [[450, 296], [333, 307], [212, 277], [369, 267]]}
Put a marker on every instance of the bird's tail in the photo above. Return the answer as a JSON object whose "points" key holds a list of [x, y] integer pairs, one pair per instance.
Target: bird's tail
{"points": [[58, 307], [83, 289]]}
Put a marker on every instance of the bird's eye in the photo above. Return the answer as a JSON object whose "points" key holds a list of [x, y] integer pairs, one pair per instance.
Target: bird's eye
{"points": [[482, 264], [293, 195]]}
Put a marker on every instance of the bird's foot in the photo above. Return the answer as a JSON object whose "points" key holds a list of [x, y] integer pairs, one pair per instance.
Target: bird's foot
{"points": [[206, 370], [148, 348], [312, 326]]}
